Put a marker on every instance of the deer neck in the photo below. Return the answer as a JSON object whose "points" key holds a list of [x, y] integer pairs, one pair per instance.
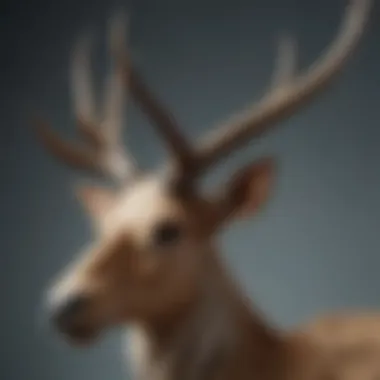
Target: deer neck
{"points": [[214, 331]]}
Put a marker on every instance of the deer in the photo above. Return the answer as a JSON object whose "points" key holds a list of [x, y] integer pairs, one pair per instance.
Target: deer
{"points": [[154, 265]]}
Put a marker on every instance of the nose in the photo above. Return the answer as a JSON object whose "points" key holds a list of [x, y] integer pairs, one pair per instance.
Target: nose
{"points": [[68, 311]]}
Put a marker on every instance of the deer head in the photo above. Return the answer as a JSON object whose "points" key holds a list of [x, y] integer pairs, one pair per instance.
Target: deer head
{"points": [[154, 233]]}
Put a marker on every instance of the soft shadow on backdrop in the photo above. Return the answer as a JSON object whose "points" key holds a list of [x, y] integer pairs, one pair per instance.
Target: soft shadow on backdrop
{"points": [[315, 248]]}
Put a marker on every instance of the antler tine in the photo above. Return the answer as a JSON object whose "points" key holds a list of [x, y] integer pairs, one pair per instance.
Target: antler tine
{"points": [[116, 97], [74, 155], [286, 64], [160, 116], [164, 122], [102, 153], [82, 91], [290, 93], [162, 119]]}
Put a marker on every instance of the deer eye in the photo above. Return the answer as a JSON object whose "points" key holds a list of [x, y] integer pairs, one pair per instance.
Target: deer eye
{"points": [[167, 233]]}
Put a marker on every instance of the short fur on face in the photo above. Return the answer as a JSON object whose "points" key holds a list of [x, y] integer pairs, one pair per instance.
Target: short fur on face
{"points": [[150, 244]]}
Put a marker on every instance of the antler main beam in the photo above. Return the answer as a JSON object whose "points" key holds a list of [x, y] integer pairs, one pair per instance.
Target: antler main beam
{"points": [[291, 93], [287, 94]]}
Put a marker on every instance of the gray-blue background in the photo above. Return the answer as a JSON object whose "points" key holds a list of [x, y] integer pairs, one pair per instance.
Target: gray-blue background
{"points": [[316, 247]]}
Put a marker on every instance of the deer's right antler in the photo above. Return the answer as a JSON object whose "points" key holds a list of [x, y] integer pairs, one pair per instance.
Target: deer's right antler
{"points": [[287, 94]]}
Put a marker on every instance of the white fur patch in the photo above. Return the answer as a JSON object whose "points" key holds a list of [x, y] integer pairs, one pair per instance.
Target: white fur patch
{"points": [[190, 353]]}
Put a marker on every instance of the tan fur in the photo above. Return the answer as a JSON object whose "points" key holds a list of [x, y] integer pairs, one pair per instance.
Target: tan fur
{"points": [[338, 347], [154, 263]]}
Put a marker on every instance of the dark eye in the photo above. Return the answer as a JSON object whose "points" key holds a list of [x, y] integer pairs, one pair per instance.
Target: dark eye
{"points": [[167, 233]]}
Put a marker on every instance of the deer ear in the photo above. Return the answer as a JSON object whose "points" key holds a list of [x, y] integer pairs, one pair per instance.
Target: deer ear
{"points": [[96, 200], [249, 188]]}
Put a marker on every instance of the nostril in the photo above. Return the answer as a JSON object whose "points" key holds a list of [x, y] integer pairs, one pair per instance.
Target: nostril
{"points": [[70, 309]]}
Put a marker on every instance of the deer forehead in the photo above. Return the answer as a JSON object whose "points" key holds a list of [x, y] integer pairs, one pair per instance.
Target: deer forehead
{"points": [[143, 205]]}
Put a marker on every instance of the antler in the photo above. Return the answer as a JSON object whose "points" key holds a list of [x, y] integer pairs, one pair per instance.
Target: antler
{"points": [[287, 94], [164, 122], [290, 93], [102, 151]]}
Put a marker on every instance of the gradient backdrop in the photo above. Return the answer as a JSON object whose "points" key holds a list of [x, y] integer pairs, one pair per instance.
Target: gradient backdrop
{"points": [[316, 246]]}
